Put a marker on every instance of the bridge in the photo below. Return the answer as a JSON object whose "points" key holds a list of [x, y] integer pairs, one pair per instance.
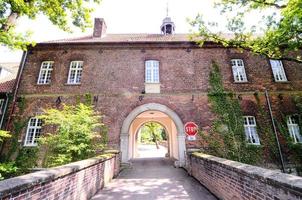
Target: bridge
{"points": [[203, 177]]}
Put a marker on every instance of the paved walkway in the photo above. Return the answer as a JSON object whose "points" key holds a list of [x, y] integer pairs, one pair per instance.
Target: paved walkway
{"points": [[150, 151], [153, 178]]}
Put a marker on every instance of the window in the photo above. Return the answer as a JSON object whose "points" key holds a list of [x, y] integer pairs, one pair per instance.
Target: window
{"points": [[238, 70], [75, 72], [33, 131], [45, 72], [251, 130], [152, 71], [278, 70], [293, 128], [1, 106]]}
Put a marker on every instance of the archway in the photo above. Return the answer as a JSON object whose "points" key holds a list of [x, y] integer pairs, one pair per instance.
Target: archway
{"points": [[127, 132], [151, 140]]}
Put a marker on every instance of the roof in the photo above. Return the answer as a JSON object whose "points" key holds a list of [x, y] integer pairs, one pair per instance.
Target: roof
{"points": [[119, 38], [7, 82]]}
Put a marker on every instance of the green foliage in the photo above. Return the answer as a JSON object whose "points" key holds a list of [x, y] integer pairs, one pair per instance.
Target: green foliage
{"points": [[277, 35], [26, 159], [61, 13], [77, 127], [152, 132], [4, 135], [7, 170], [226, 138], [265, 128], [18, 125], [88, 99], [21, 104], [293, 150]]}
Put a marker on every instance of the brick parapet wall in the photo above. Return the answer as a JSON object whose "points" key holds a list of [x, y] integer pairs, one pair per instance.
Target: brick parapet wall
{"points": [[233, 180], [78, 180]]}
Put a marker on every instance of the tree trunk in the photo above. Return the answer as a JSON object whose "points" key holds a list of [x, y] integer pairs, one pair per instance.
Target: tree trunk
{"points": [[11, 21]]}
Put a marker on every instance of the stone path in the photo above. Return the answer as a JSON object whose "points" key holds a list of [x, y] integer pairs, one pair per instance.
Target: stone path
{"points": [[150, 151], [153, 178]]}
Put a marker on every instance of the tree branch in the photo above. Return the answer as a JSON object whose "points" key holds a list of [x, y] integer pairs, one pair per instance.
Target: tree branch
{"points": [[264, 2], [11, 21]]}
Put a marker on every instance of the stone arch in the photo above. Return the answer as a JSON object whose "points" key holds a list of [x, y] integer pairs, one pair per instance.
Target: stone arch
{"points": [[124, 137], [169, 134]]}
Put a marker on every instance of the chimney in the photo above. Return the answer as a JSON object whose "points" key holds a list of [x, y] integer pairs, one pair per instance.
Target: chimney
{"points": [[100, 27]]}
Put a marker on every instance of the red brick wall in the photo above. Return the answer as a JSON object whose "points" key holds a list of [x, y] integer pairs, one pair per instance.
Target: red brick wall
{"points": [[115, 73], [232, 180], [80, 180]]}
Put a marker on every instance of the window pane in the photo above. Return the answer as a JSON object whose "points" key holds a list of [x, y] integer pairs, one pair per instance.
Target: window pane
{"points": [[278, 70], [33, 131], [238, 70], [152, 71], [45, 72]]}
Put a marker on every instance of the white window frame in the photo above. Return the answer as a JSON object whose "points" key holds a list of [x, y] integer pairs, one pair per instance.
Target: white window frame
{"points": [[35, 128], [294, 129], [78, 70], [46, 70], [251, 134], [151, 71], [278, 70], [238, 71]]}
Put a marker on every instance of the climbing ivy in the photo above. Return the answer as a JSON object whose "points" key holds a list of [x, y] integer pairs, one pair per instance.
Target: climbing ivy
{"points": [[18, 160], [292, 150], [226, 137], [270, 149]]}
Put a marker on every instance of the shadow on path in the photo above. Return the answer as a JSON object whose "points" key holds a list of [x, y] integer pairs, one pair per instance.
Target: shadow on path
{"points": [[153, 178]]}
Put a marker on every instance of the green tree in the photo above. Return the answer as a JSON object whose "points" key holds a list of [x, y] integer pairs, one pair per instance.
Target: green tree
{"points": [[277, 35], [152, 132], [79, 134], [61, 13]]}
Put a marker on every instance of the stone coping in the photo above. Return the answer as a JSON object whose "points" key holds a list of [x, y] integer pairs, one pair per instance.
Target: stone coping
{"points": [[267, 176], [16, 184]]}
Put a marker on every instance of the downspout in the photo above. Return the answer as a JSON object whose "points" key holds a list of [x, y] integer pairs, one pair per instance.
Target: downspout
{"points": [[16, 86], [275, 130], [4, 110]]}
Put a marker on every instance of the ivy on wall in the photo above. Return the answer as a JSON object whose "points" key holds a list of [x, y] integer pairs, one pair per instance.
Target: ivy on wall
{"points": [[18, 159], [292, 150], [226, 138]]}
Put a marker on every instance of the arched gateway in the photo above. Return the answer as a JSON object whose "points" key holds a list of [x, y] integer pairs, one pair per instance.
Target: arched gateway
{"points": [[126, 138]]}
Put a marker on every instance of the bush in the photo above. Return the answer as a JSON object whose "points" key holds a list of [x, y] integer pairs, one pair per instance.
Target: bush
{"points": [[7, 170], [77, 128]]}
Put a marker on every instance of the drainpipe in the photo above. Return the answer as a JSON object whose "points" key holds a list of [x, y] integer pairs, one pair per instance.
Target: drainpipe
{"points": [[275, 130], [16, 86], [4, 110]]}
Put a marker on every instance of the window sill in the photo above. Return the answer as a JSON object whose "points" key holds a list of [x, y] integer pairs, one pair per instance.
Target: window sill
{"points": [[30, 145], [152, 83], [152, 88], [285, 82], [72, 84], [43, 84], [254, 144], [240, 82]]}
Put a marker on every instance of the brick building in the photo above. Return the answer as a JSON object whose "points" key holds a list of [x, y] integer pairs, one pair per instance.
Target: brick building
{"points": [[135, 78]]}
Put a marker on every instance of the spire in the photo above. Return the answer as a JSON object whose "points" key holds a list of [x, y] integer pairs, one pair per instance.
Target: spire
{"points": [[167, 8], [167, 27]]}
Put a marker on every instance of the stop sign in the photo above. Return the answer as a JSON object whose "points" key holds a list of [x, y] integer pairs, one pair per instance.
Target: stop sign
{"points": [[191, 128]]}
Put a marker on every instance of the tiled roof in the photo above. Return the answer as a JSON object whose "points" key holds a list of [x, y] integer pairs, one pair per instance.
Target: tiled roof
{"points": [[7, 86], [132, 38], [7, 82]]}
